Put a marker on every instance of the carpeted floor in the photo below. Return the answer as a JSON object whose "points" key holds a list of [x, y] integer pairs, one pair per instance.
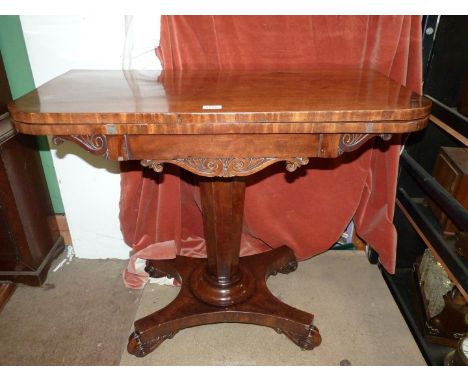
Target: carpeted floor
{"points": [[80, 316], [83, 316]]}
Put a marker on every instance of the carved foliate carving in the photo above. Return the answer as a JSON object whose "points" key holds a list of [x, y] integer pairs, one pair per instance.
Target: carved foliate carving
{"points": [[294, 163], [224, 167], [92, 143], [352, 141], [157, 166]]}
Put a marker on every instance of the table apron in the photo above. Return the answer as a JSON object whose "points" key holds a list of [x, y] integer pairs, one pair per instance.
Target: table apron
{"points": [[222, 146]]}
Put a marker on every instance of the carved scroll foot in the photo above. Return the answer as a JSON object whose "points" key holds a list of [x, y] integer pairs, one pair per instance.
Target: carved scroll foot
{"points": [[291, 266], [166, 268], [261, 308], [139, 348], [283, 262], [306, 340]]}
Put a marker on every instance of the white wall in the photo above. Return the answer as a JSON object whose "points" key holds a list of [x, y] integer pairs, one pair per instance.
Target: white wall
{"points": [[90, 185]]}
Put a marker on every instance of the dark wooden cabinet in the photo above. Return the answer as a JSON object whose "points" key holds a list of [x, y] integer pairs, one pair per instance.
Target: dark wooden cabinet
{"points": [[451, 172], [29, 238]]}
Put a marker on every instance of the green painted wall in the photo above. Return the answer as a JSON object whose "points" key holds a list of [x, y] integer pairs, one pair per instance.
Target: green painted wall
{"points": [[20, 78]]}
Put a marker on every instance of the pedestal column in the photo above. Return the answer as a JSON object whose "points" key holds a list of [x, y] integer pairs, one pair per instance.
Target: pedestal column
{"points": [[221, 281]]}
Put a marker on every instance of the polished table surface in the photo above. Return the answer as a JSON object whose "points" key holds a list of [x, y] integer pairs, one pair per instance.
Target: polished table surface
{"points": [[184, 102], [222, 126]]}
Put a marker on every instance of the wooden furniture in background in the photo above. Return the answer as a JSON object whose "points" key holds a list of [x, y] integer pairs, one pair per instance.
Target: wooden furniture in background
{"points": [[58, 223], [6, 290], [5, 93], [27, 243], [206, 122], [451, 171]]}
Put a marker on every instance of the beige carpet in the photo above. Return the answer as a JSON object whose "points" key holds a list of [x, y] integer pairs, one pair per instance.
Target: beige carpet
{"points": [[83, 314], [354, 311], [80, 316]]}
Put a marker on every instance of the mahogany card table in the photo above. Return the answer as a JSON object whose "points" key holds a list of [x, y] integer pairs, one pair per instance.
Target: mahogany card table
{"points": [[222, 126]]}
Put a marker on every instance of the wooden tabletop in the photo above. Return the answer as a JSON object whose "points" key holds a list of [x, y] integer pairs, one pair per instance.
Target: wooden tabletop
{"points": [[152, 102]]}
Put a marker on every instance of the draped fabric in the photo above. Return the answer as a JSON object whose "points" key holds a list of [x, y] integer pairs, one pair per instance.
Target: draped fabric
{"points": [[306, 210]]}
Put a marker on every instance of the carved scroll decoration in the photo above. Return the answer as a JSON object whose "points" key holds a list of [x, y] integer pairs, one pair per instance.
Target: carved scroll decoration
{"points": [[92, 143], [224, 167], [352, 141], [294, 163]]}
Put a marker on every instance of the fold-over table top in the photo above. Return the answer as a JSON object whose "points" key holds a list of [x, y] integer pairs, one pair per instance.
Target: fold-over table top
{"points": [[177, 100]]}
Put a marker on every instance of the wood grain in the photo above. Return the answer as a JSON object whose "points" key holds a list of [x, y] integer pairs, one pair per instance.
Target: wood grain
{"points": [[177, 98], [221, 128]]}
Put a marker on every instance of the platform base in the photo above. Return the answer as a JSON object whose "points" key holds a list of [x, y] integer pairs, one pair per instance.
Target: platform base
{"points": [[260, 308]]}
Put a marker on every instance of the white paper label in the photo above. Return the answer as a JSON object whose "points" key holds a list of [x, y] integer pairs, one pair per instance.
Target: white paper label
{"points": [[212, 107]]}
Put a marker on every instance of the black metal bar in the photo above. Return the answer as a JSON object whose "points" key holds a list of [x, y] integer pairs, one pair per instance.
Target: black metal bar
{"points": [[449, 116], [429, 32], [453, 261], [452, 207]]}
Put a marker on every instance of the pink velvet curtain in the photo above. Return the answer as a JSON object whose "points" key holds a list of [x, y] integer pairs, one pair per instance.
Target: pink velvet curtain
{"points": [[307, 210]]}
